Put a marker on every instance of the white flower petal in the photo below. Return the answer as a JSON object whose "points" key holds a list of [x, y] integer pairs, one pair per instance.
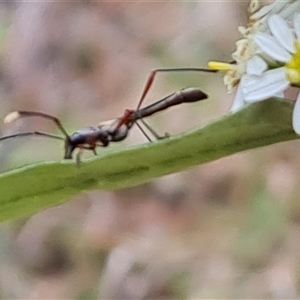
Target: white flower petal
{"points": [[278, 6], [297, 25], [281, 32], [272, 8], [256, 66], [262, 12], [270, 46], [296, 115], [288, 12], [257, 88], [253, 82], [238, 101], [269, 59]]}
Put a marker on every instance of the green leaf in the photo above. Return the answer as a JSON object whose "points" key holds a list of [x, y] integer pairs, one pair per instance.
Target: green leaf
{"points": [[30, 189]]}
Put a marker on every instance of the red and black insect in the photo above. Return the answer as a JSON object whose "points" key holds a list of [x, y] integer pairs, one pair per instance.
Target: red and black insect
{"points": [[103, 134]]}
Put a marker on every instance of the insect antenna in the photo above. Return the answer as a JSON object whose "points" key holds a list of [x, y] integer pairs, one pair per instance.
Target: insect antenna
{"points": [[13, 116], [37, 133]]}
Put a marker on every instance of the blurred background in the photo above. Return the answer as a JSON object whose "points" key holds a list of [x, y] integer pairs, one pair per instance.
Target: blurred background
{"points": [[226, 229]]}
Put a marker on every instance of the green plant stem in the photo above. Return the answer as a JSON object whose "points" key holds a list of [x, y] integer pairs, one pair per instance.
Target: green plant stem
{"points": [[30, 189]]}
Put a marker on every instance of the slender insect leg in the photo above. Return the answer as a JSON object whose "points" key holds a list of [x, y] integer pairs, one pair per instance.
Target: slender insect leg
{"points": [[155, 71], [153, 132], [90, 147], [143, 131], [121, 121], [78, 157], [128, 113], [80, 152]]}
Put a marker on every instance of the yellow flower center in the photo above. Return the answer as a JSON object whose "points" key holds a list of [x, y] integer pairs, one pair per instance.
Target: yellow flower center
{"points": [[293, 66]]}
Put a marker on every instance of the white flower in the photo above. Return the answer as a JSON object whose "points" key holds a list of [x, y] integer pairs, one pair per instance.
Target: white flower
{"points": [[268, 58], [246, 47], [282, 45]]}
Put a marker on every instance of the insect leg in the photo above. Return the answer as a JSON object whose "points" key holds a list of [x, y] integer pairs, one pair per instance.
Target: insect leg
{"points": [[155, 71]]}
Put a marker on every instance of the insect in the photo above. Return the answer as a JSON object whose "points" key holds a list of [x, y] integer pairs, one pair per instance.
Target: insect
{"points": [[116, 130]]}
